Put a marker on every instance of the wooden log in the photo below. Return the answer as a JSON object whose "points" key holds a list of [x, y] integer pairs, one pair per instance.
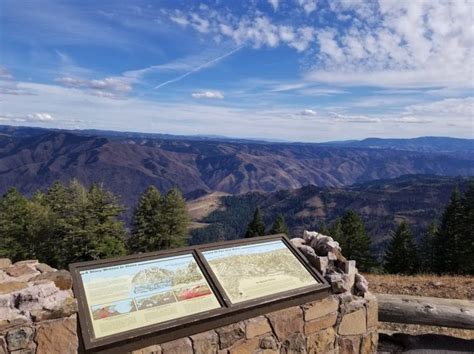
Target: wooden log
{"points": [[426, 310]]}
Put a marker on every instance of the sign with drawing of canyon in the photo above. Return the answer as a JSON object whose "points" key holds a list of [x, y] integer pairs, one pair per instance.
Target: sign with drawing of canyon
{"points": [[252, 271], [133, 295]]}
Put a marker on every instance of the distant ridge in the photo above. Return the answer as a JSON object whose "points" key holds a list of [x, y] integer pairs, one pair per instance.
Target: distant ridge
{"points": [[32, 159], [422, 144]]}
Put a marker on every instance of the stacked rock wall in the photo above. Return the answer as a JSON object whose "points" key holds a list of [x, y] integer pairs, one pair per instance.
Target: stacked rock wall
{"points": [[37, 309], [37, 313]]}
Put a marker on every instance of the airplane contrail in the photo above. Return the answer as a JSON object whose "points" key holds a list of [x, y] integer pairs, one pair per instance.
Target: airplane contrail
{"points": [[196, 69]]}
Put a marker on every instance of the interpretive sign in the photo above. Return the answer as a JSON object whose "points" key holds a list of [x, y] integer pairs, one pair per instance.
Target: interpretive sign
{"points": [[256, 270], [161, 296], [138, 294]]}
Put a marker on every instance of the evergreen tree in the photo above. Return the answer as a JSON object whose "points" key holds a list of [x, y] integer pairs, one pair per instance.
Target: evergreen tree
{"points": [[159, 222], [175, 219], [14, 222], [83, 224], [336, 233], [427, 249], [448, 239], [466, 247], [256, 227], [323, 228], [354, 241], [401, 254], [279, 226], [106, 233], [147, 222]]}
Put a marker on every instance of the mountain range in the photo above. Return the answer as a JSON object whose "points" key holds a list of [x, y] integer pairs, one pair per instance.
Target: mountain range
{"points": [[127, 163]]}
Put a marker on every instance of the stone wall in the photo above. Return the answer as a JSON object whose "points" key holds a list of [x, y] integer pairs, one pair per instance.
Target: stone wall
{"points": [[38, 313], [37, 309], [336, 324]]}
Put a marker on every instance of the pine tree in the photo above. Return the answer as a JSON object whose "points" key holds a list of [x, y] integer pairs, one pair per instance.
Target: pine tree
{"points": [[106, 233], [175, 219], [401, 254], [159, 222], [427, 248], [354, 241], [23, 226], [279, 226], [336, 233], [323, 228], [448, 239], [147, 222], [84, 224], [466, 256], [13, 225], [256, 227]]}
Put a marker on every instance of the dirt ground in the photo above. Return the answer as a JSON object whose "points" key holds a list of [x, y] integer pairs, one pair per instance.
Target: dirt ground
{"points": [[451, 287]]}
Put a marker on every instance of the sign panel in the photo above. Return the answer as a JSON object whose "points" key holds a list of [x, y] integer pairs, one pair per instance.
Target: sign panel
{"points": [[256, 270], [132, 295]]}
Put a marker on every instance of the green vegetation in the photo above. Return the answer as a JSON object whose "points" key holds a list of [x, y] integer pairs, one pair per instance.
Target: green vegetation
{"points": [[401, 255], [454, 241], [279, 226], [69, 223], [256, 227], [352, 237], [160, 222], [447, 249]]}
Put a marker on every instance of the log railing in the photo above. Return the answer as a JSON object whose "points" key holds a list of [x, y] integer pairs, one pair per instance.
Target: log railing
{"points": [[426, 310]]}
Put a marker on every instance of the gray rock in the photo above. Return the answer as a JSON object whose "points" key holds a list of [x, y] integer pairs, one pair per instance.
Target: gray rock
{"points": [[19, 338], [297, 242], [340, 283], [361, 285]]}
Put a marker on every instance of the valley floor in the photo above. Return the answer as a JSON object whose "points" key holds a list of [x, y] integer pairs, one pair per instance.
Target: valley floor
{"points": [[450, 287]]}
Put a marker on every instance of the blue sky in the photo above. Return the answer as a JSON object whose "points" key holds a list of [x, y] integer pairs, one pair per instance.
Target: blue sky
{"points": [[297, 70]]}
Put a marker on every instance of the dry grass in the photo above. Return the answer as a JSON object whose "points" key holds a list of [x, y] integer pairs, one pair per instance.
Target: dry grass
{"points": [[202, 207], [450, 287]]}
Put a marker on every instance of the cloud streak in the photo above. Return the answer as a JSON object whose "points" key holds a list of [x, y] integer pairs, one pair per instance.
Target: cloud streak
{"points": [[198, 68]]}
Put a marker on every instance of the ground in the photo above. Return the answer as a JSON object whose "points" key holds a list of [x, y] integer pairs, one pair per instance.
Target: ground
{"points": [[451, 287]]}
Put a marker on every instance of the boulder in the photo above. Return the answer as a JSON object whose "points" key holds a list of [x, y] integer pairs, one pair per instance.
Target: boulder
{"points": [[5, 263], [62, 278], [297, 242], [340, 283], [361, 285]]}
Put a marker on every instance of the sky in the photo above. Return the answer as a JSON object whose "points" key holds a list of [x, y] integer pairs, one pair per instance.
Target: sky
{"points": [[295, 70]]}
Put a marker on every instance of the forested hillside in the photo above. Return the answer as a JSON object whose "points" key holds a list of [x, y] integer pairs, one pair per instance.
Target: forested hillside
{"points": [[381, 204]]}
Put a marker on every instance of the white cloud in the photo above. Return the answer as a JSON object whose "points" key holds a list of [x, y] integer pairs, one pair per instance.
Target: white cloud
{"points": [[308, 112], [398, 44], [106, 87], [5, 74], [180, 20], [322, 92], [68, 105], [29, 118], [308, 5], [208, 94], [274, 4]]}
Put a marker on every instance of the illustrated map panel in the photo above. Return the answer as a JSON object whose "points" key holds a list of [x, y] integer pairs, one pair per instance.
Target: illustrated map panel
{"points": [[133, 295], [252, 271]]}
